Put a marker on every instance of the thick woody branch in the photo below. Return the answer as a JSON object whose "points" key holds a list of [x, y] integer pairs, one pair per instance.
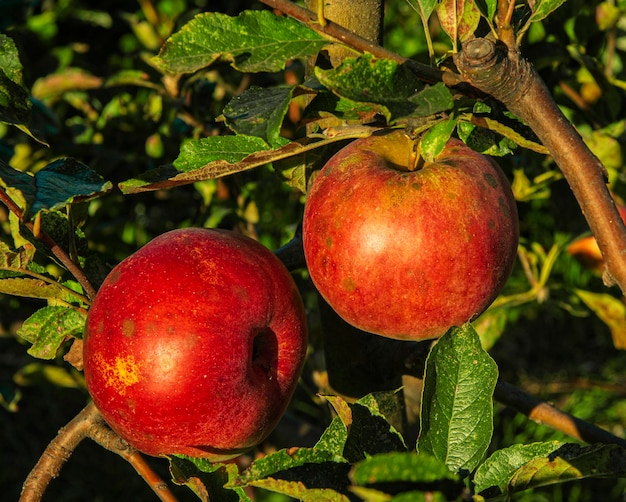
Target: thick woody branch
{"points": [[508, 77], [543, 413]]}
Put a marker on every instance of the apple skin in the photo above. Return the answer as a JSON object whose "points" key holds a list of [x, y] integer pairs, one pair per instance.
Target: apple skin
{"points": [[194, 344], [586, 249], [409, 254]]}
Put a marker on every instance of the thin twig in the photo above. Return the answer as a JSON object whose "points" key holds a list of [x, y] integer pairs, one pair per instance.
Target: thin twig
{"points": [[56, 250], [109, 440]]}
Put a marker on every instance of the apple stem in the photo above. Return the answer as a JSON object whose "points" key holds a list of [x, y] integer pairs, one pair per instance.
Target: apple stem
{"points": [[88, 423]]}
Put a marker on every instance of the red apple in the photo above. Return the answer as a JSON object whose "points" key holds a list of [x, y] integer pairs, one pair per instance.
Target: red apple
{"points": [[409, 253], [194, 344], [586, 249]]}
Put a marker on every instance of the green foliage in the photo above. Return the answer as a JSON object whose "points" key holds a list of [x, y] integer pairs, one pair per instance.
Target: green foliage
{"points": [[253, 42], [391, 88], [55, 186], [180, 113], [457, 409]]}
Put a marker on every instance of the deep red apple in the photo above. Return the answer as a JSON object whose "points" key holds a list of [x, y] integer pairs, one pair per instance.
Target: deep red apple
{"points": [[409, 253], [194, 344]]}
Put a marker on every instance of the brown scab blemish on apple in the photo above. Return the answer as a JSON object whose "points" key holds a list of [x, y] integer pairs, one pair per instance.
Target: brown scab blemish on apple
{"points": [[240, 292], [114, 276], [491, 180], [128, 328], [348, 284], [504, 207]]}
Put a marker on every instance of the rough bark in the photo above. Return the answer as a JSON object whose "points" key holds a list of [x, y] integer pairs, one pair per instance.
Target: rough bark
{"points": [[364, 17]]}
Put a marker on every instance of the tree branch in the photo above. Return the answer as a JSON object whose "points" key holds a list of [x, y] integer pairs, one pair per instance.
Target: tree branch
{"points": [[109, 440], [87, 424], [543, 413], [56, 454], [506, 76], [337, 33]]}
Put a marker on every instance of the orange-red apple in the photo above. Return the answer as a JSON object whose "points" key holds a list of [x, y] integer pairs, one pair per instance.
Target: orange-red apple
{"points": [[586, 249], [194, 344], [409, 253]]}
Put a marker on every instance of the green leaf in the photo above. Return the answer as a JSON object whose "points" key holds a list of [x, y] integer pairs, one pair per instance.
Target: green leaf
{"points": [[334, 438], [64, 181], [369, 431], [49, 327], [137, 78], [14, 262], [346, 110], [400, 466], [425, 8], [484, 140], [55, 186], [195, 154], [10, 64], [543, 8], [611, 311], [15, 105], [206, 479], [487, 8], [31, 288], [286, 459], [259, 112], [254, 41], [308, 474], [169, 176], [433, 142], [570, 462], [381, 82], [431, 100], [457, 407], [480, 139], [38, 373], [498, 469], [299, 491], [10, 397]]}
